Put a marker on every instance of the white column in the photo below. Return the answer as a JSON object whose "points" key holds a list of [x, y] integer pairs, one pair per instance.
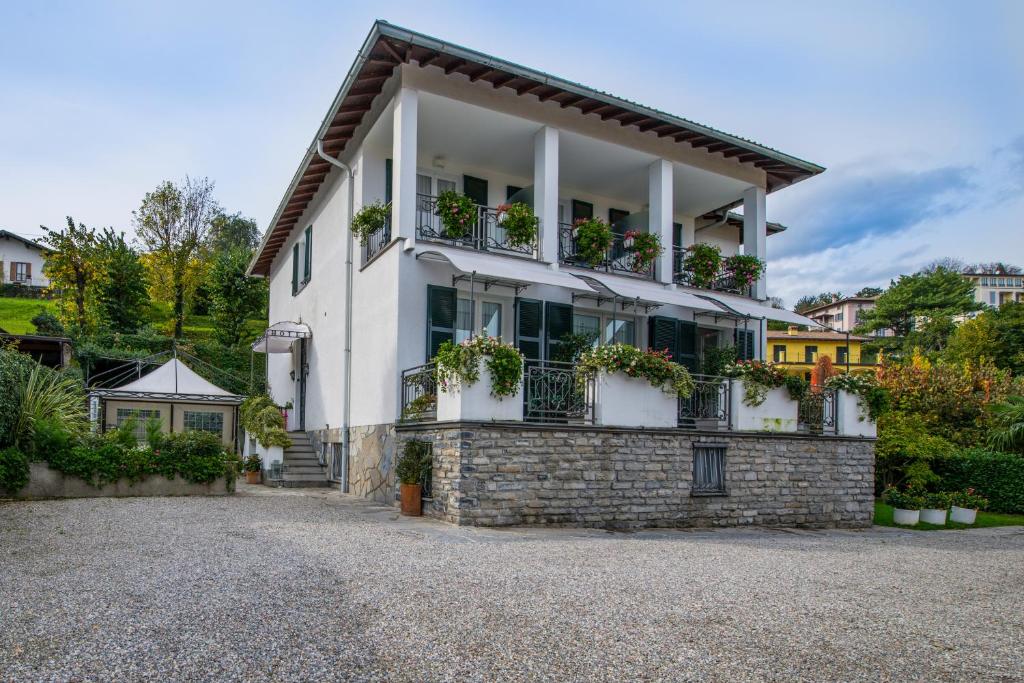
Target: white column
{"points": [[403, 178], [545, 191], [755, 232], [659, 187]]}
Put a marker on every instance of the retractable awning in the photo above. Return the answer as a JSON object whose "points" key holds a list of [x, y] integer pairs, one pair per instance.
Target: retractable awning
{"points": [[488, 271], [753, 309], [278, 337]]}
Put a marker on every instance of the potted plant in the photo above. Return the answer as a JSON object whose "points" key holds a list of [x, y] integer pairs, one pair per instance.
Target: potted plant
{"points": [[457, 212], [703, 262], [934, 508], [253, 469], [369, 220], [643, 248], [906, 505], [412, 470], [519, 223], [461, 394], [763, 397], [593, 239], [743, 270], [965, 506]]}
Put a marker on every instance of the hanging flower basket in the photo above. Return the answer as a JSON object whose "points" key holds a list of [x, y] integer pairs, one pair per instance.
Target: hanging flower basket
{"points": [[519, 222], [743, 271], [593, 239], [644, 248], [703, 262], [457, 212]]}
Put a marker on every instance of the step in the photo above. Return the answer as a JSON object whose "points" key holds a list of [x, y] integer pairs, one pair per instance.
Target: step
{"points": [[300, 449], [303, 469], [320, 476], [300, 459]]}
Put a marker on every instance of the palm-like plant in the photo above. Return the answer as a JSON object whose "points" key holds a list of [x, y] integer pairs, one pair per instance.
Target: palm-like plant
{"points": [[47, 395], [1008, 431]]}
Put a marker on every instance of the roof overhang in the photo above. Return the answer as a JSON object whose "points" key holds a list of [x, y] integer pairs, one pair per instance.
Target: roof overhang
{"points": [[388, 46]]}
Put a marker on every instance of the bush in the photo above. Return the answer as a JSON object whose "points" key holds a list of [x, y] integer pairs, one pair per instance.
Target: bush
{"points": [[262, 419], [997, 476], [906, 450], [13, 470], [519, 222], [14, 368], [593, 239], [654, 366], [414, 467], [369, 220], [459, 364]]}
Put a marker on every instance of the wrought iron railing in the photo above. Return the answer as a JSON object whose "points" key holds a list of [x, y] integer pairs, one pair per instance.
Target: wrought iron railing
{"points": [[708, 406], [816, 413], [484, 234], [419, 393], [557, 392], [619, 258], [683, 276], [378, 239]]}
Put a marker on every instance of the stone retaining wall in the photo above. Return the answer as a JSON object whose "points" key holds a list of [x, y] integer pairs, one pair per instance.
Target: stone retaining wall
{"points": [[492, 474], [49, 483]]}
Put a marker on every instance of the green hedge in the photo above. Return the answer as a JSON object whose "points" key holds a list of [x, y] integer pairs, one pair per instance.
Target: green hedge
{"points": [[997, 476]]}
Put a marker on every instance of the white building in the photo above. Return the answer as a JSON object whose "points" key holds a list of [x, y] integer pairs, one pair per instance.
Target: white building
{"points": [[996, 289], [417, 116], [21, 261]]}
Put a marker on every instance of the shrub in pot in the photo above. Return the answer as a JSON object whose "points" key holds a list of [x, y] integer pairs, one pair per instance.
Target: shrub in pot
{"points": [[906, 505], [519, 222], [369, 220], [643, 248], [593, 239], [965, 506], [412, 470], [457, 212], [253, 467], [703, 262], [934, 508]]}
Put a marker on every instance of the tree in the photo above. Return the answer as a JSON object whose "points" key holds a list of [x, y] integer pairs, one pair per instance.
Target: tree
{"points": [[121, 291], [173, 223], [996, 334], [869, 291], [233, 231], [994, 268], [72, 269], [234, 297], [807, 302], [47, 324]]}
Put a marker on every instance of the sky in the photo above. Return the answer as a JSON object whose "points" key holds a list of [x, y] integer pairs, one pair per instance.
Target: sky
{"points": [[915, 108]]}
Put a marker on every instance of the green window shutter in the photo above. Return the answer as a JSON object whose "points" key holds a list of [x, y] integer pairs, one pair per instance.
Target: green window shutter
{"points": [[387, 180], [529, 327], [744, 340], [295, 269], [557, 324], [308, 262], [441, 307], [663, 334], [687, 354]]}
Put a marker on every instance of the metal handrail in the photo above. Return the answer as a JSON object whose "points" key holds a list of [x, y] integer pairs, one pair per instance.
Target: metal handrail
{"points": [[378, 239], [419, 393], [708, 407], [618, 258], [682, 276], [557, 392], [816, 411], [484, 234]]}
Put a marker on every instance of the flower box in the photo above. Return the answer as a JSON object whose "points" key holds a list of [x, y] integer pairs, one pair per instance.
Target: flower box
{"points": [[474, 402], [624, 401], [852, 416], [778, 412]]}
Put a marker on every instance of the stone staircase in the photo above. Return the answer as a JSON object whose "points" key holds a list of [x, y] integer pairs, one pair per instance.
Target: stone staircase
{"points": [[301, 466]]}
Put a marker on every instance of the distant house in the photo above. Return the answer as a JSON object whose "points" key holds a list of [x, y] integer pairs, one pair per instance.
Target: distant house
{"points": [[843, 315], [996, 289], [21, 261], [53, 352], [798, 351]]}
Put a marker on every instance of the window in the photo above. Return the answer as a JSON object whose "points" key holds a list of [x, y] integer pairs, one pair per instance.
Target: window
{"points": [[463, 320], [140, 416], [589, 325], [491, 314], [839, 317], [842, 353], [992, 298], [21, 272], [708, 470], [810, 353], [307, 260], [619, 332], [295, 269], [984, 282], [204, 421], [779, 353]]}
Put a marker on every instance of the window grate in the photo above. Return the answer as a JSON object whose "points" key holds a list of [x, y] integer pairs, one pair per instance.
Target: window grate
{"points": [[708, 469]]}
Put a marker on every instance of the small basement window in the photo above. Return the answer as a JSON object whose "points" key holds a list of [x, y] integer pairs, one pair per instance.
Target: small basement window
{"points": [[708, 470]]}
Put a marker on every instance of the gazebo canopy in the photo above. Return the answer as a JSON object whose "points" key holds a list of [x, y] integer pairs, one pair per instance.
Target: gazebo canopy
{"points": [[173, 381]]}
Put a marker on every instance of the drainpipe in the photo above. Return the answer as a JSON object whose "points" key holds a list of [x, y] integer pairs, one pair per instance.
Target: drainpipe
{"points": [[347, 380]]}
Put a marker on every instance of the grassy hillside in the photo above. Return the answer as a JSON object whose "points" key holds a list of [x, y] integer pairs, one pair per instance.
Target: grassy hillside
{"points": [[16, 314]]}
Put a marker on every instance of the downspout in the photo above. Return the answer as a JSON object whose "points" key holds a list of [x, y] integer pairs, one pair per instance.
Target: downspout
{"points": [[347, 353]]}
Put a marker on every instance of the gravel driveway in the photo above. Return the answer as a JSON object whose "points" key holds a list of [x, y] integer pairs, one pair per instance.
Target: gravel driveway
{"points": [[300, 586]]}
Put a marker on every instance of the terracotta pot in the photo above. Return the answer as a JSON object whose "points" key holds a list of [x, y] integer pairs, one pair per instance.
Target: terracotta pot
{"points": [[252, 477], [412, 500]]}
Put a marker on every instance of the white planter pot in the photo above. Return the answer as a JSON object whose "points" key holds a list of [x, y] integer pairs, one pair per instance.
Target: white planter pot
{"points": [[906, 517], [962, 515], [624, 401], [852, 417], [778, 413], [933, 516], [475, 403], [268, 455]]}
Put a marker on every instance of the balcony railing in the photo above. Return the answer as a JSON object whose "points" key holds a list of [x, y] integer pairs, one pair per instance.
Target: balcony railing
{"points": [[708, 406], [419, 393], [555, 392], [816, 413], [485, 233], [378, 239], [682, 276], [618, 258]]}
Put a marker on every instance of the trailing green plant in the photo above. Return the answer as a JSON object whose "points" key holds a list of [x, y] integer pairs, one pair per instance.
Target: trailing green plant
{"points": [[519, 222], [873, 399], [262, 419], [703, 262], [969, 498], [14, 470], [743, 270], [370, 219], [908, 498], [457, 212], [1000, 476], [414, 467], [253, 464], [759, 377], [643, 248], [1008, 425], [593, 239], [654, 366], [459, 364], [46, 394]]}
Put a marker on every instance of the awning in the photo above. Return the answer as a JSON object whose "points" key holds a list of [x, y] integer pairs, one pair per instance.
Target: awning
{"points": [[488, 271], [278, 337], [749, 307], [641, 293]]}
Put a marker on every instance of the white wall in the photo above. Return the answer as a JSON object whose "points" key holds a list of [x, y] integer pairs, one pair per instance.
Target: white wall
{"points": [[14, 250]]}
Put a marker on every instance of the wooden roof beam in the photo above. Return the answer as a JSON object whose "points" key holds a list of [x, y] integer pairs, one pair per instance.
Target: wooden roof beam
{"points": [[393, 52], [454, 65], [597, 104], [686, 136], [548, 95], [718, 147], [529, 87], [608, 114], [429, 59], [502, 80], [474, 77], [574, 99]]}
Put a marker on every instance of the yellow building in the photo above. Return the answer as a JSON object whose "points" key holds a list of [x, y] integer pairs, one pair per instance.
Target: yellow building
{"points": [[798, 351]]}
